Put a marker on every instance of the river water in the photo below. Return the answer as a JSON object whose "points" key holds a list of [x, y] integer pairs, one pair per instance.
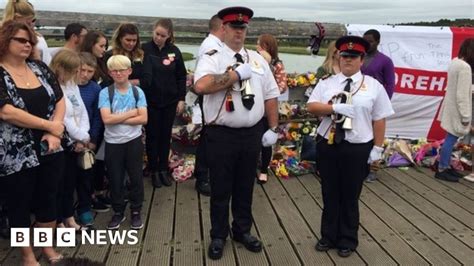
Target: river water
{"points": [[293, 63]]}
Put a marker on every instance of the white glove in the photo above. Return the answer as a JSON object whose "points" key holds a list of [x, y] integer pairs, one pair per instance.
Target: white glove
{"points": [[269, 138], [375, 154], [244, 70], [344, 109]]}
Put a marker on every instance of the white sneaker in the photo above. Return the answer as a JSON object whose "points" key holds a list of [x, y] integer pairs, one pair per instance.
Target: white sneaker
{"points": [[469, 177]]}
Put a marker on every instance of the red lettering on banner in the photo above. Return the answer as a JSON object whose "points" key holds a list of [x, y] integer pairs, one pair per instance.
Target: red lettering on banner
{"points": [[420, 82]]}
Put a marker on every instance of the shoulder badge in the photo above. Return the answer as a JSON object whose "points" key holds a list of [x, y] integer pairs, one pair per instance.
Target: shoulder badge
{"points": [[326, 76], [211, 52]]}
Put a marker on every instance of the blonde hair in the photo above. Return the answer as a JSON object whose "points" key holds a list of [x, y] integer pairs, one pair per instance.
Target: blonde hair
{"points": [[17, 9], [66, 62], [119, 62], [329, 60]]}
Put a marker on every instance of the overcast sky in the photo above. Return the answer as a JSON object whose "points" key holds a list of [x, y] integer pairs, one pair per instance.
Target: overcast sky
{"points": [[339, 11]]}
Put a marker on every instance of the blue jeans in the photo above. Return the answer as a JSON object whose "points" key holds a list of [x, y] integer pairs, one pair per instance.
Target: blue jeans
{"points": [[446, 150]]}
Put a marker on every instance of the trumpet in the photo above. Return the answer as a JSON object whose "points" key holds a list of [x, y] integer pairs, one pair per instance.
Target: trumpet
{"points": [[339, 98]]}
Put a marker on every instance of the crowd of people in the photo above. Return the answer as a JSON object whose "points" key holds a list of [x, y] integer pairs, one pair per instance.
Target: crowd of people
{"points": [[58, 105]]}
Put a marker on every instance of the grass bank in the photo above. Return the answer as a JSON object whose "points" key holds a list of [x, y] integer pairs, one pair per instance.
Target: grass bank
{"points": [[188, 56]]}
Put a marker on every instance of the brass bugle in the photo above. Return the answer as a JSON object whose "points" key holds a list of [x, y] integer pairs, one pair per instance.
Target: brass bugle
{"points": [[347, 123], [247, 94]]}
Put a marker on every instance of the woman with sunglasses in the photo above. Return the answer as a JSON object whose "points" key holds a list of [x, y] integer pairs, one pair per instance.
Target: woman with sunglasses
{"points": [[32, 110], [23, 11], [345, 152]]}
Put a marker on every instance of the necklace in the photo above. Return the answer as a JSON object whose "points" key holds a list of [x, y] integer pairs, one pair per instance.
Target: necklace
{"points": [[23, 77]]}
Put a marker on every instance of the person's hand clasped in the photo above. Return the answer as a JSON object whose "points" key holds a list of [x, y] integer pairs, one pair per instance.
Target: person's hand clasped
{"points": [[56, 128], [344, 109], [375, 154], [54, 143], [180, 108], [269, 138], [244, 71]]}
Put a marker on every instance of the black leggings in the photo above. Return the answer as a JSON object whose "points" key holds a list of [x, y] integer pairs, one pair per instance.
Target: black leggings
{"points": [[158, 136], [34, 189], [266, 151]]}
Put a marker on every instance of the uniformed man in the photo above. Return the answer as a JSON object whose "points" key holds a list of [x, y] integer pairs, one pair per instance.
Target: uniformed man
{"points": [[212, 43], [236, 95], [345, 151]]}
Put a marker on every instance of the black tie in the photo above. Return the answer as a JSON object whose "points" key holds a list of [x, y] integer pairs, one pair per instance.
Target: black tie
{"points": [[247, 102], [340, 132]]}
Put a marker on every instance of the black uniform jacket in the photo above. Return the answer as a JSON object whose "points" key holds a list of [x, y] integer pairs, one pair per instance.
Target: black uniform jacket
{"points": [[164, 75]]}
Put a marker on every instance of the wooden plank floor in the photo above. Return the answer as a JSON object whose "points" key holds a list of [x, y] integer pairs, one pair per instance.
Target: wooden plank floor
{"points": [[407, 218]]}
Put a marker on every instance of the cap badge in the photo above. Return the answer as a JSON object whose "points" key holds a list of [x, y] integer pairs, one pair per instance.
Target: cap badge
{"points": [[240, 17], [350, 45]]}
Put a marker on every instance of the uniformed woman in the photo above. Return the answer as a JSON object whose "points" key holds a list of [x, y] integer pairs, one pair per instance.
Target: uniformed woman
{"points": [[345, 150]]}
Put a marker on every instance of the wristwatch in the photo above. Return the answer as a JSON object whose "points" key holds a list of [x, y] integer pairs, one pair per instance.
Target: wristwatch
{"points": [[274, 129]]}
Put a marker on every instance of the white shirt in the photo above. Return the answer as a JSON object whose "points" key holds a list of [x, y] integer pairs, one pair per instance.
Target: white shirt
{"points": [[210, 43], [42, 46], [76, 118], [371, 103], [262, 82]]}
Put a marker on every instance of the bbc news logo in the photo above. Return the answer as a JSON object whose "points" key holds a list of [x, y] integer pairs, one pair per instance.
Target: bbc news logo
{"points": [[66, 237]]}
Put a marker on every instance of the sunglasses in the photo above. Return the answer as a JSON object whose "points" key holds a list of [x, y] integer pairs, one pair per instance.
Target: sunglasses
{"points": [[22, 40]]}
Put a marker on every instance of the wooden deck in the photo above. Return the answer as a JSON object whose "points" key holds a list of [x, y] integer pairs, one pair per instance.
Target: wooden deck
{"points": [[407, 218]]}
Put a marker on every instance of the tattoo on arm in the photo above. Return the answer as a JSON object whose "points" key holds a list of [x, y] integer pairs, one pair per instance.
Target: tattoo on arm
{"points": [[222, 79]]}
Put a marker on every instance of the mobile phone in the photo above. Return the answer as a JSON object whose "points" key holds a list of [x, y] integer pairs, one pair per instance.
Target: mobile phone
{"points": [[44, 146]]}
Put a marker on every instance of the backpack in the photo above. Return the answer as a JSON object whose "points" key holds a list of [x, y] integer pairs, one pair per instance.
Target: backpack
{"points": [[111, 90]]}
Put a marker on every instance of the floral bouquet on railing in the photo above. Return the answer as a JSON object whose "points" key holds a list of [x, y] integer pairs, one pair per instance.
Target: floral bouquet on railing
{"points": [[302, 80]]}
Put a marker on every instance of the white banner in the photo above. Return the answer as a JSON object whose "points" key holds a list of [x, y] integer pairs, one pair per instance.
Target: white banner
{"points": [[421, 56]]}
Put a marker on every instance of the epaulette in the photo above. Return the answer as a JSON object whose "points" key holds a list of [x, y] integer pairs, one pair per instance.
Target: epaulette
{"points": [[211, 52], [326, 76]]}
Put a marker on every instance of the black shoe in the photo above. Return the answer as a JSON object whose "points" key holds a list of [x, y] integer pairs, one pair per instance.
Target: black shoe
{"points": [[155, 180], [99, 206], [164, 177], [147, 172], [344, 252], [105, 199], [322, 246], [250, 242], [203, 187], [216, 248], [455, 173], [446, 176]]}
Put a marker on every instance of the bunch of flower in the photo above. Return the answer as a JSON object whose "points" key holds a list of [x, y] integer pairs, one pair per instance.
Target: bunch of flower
{"points": [[302, 80], [189, 78]]}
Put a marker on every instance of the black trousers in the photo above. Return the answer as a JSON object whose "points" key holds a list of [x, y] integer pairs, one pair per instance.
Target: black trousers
{"points": [[118, 159], [84, 189], [232, 156], [68, 185], [34, 189], [201, 169], [266, 151], [343, 168], [158, 136], [99, 175]]}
